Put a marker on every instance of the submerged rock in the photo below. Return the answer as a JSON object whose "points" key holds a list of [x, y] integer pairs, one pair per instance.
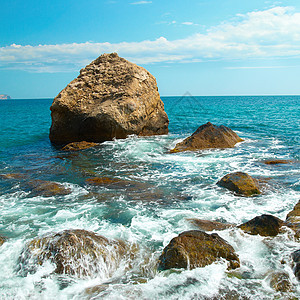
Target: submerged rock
{"points": [[207, 225], [277, 161], [293, 220], [111, 98], [76, 146], [240, 183], [264, 225], [74, 252], [208, 136], [192, 249], [47, 188]]}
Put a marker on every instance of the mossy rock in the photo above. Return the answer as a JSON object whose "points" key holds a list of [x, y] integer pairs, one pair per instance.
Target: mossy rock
{"points": [[75, 252], [192, 249], [264, 225], [240, 183]]}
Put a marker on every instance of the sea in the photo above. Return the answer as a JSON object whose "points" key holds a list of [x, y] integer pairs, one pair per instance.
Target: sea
{"points": [[166, 190]]}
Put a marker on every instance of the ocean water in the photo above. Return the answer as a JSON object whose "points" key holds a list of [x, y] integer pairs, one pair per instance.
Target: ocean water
{"points": [[166, 190]]}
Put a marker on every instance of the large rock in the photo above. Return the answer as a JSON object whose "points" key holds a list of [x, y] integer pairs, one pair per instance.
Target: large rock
{"points": [[192, 249], [75, 252], [208, 136], [240, 183], [264, 225], [111, 98]]}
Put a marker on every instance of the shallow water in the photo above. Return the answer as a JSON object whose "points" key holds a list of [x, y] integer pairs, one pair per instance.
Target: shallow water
{"points": [[165, 190]]}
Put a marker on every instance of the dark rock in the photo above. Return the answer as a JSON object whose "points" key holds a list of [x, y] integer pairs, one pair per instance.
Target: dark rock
{"points": [[111, 98], [276, 161], [47, 188], [280, 282], [293, 220], [240, 183], [74, 252], [264, 225], [296, 261], [192, 249], [76, 146], [210, 225], [208, 136]]}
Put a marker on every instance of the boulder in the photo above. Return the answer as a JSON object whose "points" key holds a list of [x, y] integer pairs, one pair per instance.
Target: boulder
{"points": [[111, 98], [240, 183], [293, 220], [208, 136], [207, 225], [76, 146], [74, 252], [192, 249], [264, 225]]}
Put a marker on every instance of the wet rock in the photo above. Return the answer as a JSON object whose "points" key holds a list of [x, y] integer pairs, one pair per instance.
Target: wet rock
{"points": [[277, 161], [207, 225], [280, 282], [47, 188], [240, 183], [293, 220], [192, 249], [76, 146], [208, 136], [111, 98], [2, 240], [117, 183], [264, 225], [12, 176], [74, 252], [296, 263]]}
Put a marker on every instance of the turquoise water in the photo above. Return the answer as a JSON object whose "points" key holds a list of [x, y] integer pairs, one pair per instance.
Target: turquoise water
{"points": [[167, 189]]}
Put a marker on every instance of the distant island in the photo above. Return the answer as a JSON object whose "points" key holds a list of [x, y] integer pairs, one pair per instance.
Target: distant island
{"points": [[4, 97]]}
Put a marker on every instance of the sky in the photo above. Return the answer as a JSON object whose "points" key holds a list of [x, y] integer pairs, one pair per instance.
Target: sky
{"points": [[201, 47]]}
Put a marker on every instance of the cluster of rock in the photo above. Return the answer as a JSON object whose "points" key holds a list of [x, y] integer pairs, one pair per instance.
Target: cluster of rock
{"points": [[113, 98]]}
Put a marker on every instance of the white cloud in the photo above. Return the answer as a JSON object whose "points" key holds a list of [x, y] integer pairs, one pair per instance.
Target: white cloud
{"points": [[272, 33], [141, 2], [188, 23]]}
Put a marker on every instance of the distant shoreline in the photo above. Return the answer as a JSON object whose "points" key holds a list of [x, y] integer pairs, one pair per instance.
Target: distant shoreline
{"points": [[4, 97]]}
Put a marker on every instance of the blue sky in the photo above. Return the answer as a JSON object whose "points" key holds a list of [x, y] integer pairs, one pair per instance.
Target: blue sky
{"points": [[204, 47]]}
